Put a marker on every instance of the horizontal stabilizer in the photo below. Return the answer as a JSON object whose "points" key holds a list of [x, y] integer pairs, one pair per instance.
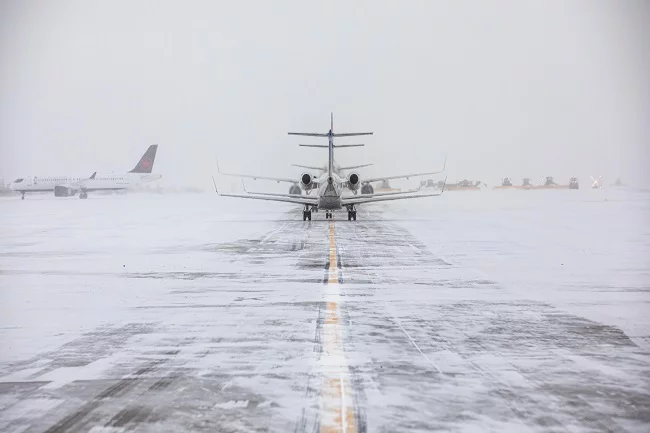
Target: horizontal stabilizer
{"points": [[336, 146], [308, 134], [351, 134]]}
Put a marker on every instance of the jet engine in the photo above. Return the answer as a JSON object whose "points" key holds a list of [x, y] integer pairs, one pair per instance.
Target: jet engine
{"points": [[366, 188], [307, 181], [64, 191], [295, 189], [354, 182]]}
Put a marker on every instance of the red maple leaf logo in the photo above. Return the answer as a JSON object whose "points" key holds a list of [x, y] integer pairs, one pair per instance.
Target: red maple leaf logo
{"points": [[146, 163]]}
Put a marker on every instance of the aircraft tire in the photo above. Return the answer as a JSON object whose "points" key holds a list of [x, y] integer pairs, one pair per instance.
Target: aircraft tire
{"points": [[354, 215]]}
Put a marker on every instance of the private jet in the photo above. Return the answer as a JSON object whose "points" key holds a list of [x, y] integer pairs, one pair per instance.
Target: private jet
{"points": [[330, 185]]}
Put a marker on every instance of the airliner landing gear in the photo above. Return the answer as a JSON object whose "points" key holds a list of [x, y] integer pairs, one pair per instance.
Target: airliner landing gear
{"points": [[329, 215], [83, 195], [352, 214], [22, 196]]}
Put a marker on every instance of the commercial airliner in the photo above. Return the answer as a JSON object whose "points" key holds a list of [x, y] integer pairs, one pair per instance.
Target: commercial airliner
{"points": [[66, 186], [330, 185]]}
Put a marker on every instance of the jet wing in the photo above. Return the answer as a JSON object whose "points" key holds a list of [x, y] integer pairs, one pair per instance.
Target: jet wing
{"points": [[281, 198], [386, 197], [285, 198], [249, 176], [309, 167], [401, 176]]}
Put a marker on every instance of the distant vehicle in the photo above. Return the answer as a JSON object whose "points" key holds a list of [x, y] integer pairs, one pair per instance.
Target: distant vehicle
{"points": [[464, 185], [506, 183], [595, 182], [618, 183], [429, 183], [67, 186], [549, 183], [573, 183], [329, 186]]}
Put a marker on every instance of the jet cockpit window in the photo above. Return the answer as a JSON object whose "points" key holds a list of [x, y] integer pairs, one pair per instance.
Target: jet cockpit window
{"points": [[20, 179]]}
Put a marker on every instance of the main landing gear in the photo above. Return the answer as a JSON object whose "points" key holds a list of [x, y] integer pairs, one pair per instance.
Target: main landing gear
{"points": [[22, 196], [306, 214], [352, 213], [83, 195]]}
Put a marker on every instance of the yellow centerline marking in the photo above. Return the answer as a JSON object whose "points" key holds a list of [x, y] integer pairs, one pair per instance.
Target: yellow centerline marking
{"points": [[333, 270], [337, 405]]}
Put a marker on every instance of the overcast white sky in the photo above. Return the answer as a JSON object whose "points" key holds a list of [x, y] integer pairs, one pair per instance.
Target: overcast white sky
{"points": [[519, 88]]}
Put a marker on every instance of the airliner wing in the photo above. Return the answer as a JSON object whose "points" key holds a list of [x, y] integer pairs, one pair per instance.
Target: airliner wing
{"points": [[402, 176], [249, 176]]}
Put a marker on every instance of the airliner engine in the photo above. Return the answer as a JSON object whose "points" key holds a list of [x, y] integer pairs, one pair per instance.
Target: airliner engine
{"points": [[353, 182], [64, 191]]}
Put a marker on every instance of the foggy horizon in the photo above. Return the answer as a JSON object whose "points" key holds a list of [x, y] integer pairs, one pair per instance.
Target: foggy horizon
{"points": [[517, 89]]}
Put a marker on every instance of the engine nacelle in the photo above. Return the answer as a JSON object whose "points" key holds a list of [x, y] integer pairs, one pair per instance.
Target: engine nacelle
{"points": [[295, 189], [64, 191], [366, 188], [306, 181], [354, 182]]}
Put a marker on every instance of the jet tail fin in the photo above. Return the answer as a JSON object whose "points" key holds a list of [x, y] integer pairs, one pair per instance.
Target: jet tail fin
{"points": [[145, 165]]}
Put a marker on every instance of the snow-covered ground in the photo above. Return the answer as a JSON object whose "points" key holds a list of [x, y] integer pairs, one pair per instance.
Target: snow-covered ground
{"points": [[522, 311]]}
